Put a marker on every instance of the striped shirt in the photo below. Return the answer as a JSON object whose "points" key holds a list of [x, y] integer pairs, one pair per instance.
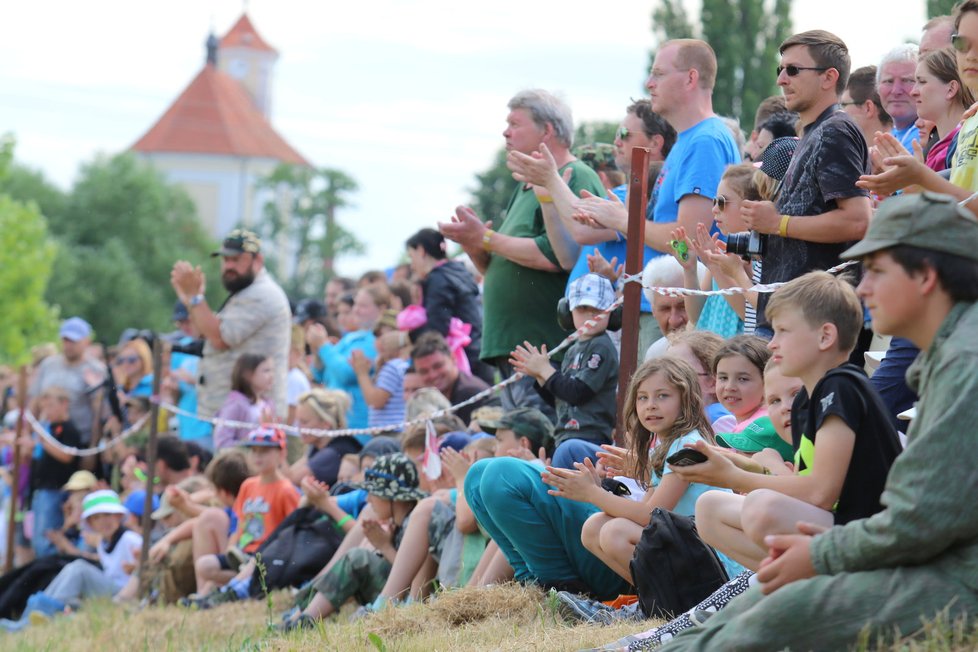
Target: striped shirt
{"points": [[390, 378]]}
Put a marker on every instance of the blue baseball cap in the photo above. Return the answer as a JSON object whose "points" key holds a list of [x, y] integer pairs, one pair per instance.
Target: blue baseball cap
{"points": [[75, 329]]}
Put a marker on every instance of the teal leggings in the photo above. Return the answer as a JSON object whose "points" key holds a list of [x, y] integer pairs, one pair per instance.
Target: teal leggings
{"points": [[539, 534]]}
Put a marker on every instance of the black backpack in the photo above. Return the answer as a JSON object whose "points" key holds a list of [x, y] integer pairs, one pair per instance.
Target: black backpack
{"points": [[672, 568], [296, 550]]}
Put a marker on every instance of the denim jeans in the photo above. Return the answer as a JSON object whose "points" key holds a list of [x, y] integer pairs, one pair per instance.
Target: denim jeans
{"points": [[46, 505]]}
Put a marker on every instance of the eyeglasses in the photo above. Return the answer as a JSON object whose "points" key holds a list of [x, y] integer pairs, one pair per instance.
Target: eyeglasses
{"points": [[128, 359], [794, 70], [960, 43], [720, 202], [623, 133]]}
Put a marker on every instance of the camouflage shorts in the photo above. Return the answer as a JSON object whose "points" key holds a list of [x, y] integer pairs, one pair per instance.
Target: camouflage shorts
{"points": [[359, 574]]}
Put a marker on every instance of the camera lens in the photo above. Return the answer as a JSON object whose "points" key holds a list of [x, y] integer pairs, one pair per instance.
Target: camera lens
{"points": [[739, 243]]}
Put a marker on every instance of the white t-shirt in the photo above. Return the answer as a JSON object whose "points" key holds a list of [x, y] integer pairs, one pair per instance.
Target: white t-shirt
{"points": [[296, 384], [126, 551]]}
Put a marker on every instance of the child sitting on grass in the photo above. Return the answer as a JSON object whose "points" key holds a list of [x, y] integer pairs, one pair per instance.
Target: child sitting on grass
{"points": [[263, 502], [118, 552], [584, 389], [393, 493]]}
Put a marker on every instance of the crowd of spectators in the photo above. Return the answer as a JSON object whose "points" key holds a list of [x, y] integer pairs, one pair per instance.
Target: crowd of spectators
{"points": [[746, 411]]}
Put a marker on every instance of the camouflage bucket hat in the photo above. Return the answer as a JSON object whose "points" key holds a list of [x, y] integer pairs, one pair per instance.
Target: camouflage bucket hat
{"points": [[599, 156], [392, 477]]}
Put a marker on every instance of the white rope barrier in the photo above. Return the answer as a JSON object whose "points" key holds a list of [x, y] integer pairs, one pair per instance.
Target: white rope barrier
{"points": [[376, 430], [83, 452]]}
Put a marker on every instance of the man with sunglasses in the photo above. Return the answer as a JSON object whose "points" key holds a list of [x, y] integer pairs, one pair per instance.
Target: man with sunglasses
{"points": [[819, 211]]}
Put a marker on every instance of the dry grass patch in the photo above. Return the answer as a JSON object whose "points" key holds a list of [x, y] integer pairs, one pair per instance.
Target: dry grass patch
{"points": [[507, 618]]}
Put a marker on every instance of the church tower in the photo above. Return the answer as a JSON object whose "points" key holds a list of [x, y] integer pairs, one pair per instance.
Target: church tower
{"points": [[246, 57]]}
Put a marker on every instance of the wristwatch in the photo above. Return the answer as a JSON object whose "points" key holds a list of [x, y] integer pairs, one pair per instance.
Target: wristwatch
{"points": [[196, 300]]}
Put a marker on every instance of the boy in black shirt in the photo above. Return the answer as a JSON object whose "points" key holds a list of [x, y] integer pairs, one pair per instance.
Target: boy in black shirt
{"points": [[51, 469], [837, 402]]}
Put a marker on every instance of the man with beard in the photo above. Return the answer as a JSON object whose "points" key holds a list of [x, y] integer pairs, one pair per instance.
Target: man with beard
{"points": [[254, 319]]}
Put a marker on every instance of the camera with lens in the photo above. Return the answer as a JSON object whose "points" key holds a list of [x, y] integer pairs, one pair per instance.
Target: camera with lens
{"points": [[747, 244]]}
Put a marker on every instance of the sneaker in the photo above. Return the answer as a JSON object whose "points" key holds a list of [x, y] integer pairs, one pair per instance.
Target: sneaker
{"points": [[577, 608], [236, 558], [304, 621], [215, 598], [722, 596], [655, 637]]}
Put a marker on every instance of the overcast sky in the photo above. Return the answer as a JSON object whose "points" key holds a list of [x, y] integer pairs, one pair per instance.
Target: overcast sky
{"points": [[407, 97]]}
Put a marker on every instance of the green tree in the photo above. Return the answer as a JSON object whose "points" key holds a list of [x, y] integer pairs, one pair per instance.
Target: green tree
{"points": [[745, 34], [26, 257], [120, 232], [302, 215], [940, 7]]}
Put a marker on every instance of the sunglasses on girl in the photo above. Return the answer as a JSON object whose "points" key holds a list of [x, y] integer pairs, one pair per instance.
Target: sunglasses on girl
{"points": [[793, 71], [720, 202], [127, 359]]}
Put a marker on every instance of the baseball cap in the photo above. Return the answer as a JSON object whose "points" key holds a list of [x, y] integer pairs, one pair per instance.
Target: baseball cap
{"points": [[530, 423], [81, 480], [758, 435], [265, 438], [454, 440], [925, 220], [776, 157], [75, 329], [591, 290], [309, 309], [136, 501], [164, 510], [237, 242], [488, 417]]}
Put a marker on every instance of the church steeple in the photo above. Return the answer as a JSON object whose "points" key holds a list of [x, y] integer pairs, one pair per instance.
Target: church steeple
{"points": [[246, 57]]}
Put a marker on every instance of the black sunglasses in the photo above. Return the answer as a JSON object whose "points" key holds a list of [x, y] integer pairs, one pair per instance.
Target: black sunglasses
{"points": [[960, 43], [720, 202], [794, 70]]}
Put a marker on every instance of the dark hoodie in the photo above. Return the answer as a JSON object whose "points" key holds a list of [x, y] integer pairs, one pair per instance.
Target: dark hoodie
{"points": [[450, 291]]}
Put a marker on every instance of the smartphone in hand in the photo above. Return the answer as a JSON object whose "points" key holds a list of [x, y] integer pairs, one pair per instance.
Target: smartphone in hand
{"points": [[686, 457]]}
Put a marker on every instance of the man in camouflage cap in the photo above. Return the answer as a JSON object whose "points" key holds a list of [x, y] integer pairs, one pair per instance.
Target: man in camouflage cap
{"points": [[256, 318], [918, 558]]}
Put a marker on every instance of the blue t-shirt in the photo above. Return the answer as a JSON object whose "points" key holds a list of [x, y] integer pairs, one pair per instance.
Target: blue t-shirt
{"points": [[616, 248], [693, 167], [687, 503], [907, 135], [352, 501], [189, 427]]}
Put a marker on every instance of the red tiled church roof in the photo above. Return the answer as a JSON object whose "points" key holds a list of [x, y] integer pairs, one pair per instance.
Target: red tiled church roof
{"points": [[244, 35], [215, 115]]}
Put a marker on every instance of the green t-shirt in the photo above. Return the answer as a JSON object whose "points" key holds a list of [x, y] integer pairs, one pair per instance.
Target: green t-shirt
{"points": [[520, 303]]}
